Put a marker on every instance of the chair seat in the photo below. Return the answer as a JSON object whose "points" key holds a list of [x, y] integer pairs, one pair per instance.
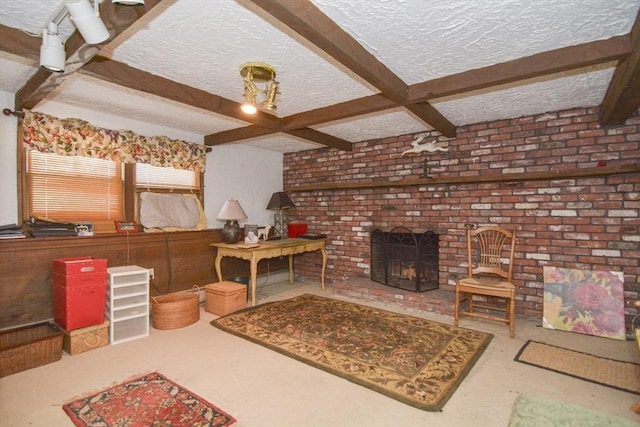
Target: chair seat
{"points": [[484, 282]]}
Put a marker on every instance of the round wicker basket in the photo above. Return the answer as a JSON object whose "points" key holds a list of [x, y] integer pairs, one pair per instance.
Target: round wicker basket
{"points": [[176, 310]]}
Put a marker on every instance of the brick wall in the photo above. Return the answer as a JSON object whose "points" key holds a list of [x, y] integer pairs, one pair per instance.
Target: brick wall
{"points": [[585, 223]]}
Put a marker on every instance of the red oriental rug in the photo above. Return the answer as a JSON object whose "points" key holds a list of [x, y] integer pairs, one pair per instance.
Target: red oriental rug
{"points": [[149, 400]]}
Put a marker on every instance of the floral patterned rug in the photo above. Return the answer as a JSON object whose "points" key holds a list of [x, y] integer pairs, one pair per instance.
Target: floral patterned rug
{"points": [[416, 361], [149, 400]]}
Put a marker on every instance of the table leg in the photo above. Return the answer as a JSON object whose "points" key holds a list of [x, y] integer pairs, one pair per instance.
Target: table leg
{"points": [[291, 274], [324, 265], [254, 280], [218, 270]]}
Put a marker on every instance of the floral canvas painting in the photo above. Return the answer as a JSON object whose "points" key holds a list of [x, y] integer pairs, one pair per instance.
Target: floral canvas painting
{"points": [[584, 301]]}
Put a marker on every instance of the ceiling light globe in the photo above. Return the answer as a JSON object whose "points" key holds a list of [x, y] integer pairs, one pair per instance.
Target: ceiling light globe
{"points": [[248, 108]]}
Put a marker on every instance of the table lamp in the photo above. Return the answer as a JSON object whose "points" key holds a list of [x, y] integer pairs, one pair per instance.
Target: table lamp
{"points": [[280, 202], [231, 212]]}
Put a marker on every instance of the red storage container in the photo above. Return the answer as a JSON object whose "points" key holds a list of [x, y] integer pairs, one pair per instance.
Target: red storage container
{"points": [[294, 230], [79, 266], [87, 279], [79, 306]]}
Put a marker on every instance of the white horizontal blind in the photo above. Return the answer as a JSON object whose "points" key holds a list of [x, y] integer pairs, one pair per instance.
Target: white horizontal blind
{"points": [[73, 188], [148, 176]]}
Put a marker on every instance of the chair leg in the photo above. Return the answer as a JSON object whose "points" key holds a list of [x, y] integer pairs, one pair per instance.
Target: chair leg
{"points": [[512, 315], [456, 313]]}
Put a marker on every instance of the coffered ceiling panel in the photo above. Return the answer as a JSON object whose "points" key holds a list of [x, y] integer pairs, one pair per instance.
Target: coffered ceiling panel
{"points": [[349, 70]]}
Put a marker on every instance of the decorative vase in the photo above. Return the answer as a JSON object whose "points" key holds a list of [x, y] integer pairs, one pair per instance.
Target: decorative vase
{"points": [[231, 232]]}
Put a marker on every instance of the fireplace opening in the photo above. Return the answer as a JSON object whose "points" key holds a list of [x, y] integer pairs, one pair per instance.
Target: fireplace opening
{"points": [[406, 260]]}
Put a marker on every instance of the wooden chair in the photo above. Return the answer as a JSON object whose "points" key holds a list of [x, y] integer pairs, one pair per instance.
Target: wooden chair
{"points": [[488, 276]]}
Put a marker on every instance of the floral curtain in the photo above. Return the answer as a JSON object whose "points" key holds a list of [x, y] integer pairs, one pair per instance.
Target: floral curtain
{"points": [[75, 137]]}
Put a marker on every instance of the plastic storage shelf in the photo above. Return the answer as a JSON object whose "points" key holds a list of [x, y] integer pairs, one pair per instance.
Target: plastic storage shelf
{"points": [[128, 303]]}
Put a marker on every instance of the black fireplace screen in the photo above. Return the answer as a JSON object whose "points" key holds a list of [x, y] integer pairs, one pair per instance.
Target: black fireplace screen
{"points": [[405, 260]]}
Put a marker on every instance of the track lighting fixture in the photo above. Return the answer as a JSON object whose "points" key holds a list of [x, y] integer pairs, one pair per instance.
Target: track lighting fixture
{"points": [[52, 54], [87, 20], [254, 74]]}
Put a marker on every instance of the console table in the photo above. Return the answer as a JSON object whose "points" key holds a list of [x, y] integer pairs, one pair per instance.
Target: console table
{"points": [[269, 249]]}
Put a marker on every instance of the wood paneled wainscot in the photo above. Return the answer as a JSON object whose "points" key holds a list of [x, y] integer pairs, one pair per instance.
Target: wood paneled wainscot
{"points": [[179, 260]]}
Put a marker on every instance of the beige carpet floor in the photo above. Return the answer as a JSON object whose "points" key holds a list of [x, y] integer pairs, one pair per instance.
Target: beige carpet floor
{"points": [[262, 388]]}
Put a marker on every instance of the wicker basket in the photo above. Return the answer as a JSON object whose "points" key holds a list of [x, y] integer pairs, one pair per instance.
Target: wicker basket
{"points": [[28, 347], [225, 297], [176, 310], [85, 339]]}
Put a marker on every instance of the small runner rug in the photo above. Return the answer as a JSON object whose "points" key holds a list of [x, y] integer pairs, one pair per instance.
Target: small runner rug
{"points": [[416, 361], [533, 411], [149, 400], [616, 374]]}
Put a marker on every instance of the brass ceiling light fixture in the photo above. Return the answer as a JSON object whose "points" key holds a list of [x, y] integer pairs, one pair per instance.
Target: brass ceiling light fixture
{"points": [[260, 87]]}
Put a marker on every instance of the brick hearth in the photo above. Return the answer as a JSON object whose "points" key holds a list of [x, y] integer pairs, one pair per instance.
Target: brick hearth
{"points": [[437, 301]]}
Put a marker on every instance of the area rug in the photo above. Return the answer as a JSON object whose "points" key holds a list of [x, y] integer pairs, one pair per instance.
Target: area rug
{"points": [[533, 411], [416, 361], [149, 400], [616, 374]]}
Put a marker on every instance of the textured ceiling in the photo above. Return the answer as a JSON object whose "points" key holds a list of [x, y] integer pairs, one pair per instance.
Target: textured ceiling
{"points": [[202, 43]]}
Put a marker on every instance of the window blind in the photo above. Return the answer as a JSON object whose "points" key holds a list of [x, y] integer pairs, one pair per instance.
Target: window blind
{"points": [[148, 176], [73, 188]]}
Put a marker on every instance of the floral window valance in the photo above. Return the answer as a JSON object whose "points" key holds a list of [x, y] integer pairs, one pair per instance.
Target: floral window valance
{"points": [[75, 137]]}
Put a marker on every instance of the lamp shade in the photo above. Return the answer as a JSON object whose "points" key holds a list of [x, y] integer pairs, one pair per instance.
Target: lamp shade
{"points": [[231, 210], [280, 200]]}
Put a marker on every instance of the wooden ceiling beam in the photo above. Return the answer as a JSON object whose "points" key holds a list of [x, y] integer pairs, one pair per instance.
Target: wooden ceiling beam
{"points": [[237, 134], [19, 43], [306, 19], [344, 110], [133, 78], [257, 131], [623, 94], [331, 113], [563, 59], [321, 138], [426, 112], [116, 18], [541, 64]]}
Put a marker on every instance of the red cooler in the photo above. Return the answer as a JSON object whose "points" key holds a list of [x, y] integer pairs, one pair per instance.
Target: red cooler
{"points": [[295, 230]]}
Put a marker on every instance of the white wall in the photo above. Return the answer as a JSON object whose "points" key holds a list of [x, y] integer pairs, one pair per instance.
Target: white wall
{"points": [[250, 175], [245, 173], [8, 162]]}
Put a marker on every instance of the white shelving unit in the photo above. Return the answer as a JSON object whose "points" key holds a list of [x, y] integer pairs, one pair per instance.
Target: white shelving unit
{"points": [[128, 303]]}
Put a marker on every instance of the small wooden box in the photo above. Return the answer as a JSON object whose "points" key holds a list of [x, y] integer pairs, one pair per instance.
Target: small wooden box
{"points": [[225, 297], [85, 339]]}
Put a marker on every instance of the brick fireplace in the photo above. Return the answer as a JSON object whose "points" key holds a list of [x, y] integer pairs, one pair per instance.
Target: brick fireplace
{"points": [[588, 220]]}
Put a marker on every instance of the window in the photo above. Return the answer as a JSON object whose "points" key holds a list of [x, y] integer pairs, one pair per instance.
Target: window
{"points": [[68, 188], [84, 189]]}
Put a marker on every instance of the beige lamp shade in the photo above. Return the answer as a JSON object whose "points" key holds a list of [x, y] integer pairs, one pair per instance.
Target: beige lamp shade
{"points": [[231, 210]]}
